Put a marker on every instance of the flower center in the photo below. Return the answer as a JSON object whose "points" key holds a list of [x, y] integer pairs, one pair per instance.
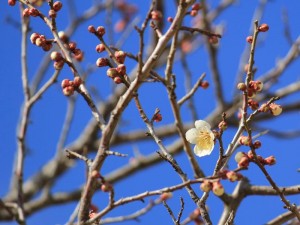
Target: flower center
{"points": [[204, 140]]}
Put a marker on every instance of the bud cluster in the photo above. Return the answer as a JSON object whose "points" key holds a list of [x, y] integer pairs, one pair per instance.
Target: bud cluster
{"points": [[118, 73], [41, 41], [272, 108], [58, 59], [232, 176], [69, 86], [100, 31], [195, 8], [71, 45], [30, 12], [243, 159], [216, 187], [156, 15]]}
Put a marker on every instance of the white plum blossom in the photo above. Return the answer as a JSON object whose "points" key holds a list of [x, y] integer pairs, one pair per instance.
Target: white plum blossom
{"points": [[202, 137]]}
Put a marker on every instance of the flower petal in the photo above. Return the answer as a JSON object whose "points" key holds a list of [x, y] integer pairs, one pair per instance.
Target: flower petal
{"points": [[192, 136], [202, 152], [202, 125]]}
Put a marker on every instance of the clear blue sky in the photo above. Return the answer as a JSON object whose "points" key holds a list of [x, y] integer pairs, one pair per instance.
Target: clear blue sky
{"points": [[48, 115]]}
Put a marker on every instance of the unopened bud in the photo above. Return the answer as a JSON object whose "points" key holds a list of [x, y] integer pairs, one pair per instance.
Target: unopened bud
{"points": [[100, 48], [165, 196], [244, 162], [206, 186], [264, 27], [245, 140], [120, 56], [249, 39], [275, 109], [241, 86], [231, 176], [112, 72], [271, 160], [100, 31], [101, 62], [218, 188], [222, 125]]}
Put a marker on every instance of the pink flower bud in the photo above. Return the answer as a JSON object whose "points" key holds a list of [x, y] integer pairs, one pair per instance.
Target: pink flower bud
{"points": [[11, 2], [34, 12], [121, 68], [231, 176], [264, 27], [249, 39], [204, 84], [257, 144], [244, 162], [58, 65], [62, 35], [112, 72], [56, 56], [118, 80], [245, 140], [206, 186], [101, 62], [100, 31], [100, 48], [120, 56], [238, 156], [91, 29], [157, 117], [196, 6], [156, 15], [68, 91], [253, 104], [57, 6], [26, 13], [218, 188], [72, 45], [65, 83], [165, 196], [33, 37], [47, 46], [275, 109], [271, 160], [242, 86]]}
